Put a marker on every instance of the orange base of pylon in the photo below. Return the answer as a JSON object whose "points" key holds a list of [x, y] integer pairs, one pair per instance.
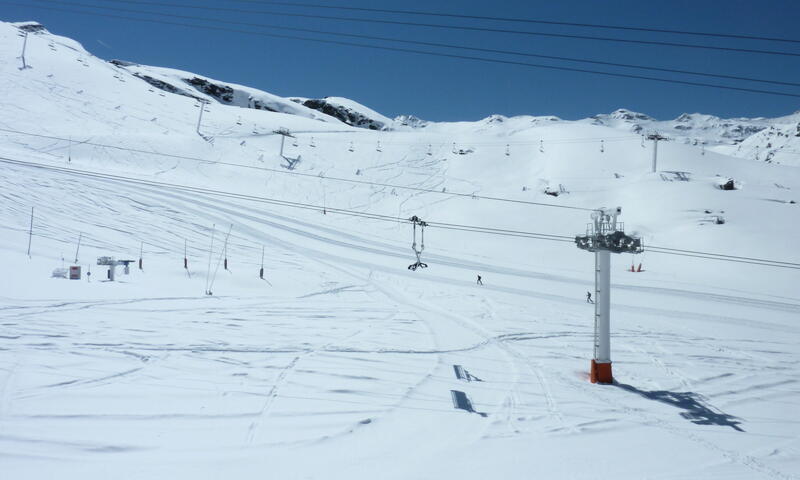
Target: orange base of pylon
{"points": [[601, 372]]}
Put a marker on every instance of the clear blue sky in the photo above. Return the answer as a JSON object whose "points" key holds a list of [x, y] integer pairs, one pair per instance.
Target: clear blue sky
{"points": [[450, 89]]}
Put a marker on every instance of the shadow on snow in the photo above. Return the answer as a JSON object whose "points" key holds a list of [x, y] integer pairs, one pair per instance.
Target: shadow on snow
{"points": [[693, 405]]}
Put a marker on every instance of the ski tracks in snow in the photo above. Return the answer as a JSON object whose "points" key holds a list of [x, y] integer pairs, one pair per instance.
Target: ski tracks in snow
{"points": [[733, 456], [271, 396]]}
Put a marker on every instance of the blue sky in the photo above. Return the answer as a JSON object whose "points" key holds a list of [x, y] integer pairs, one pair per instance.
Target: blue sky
{"points": [[437, 88]]}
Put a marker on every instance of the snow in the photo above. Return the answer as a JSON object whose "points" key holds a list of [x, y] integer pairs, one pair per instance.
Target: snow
{"points": [[240, 96], [340, 364]]}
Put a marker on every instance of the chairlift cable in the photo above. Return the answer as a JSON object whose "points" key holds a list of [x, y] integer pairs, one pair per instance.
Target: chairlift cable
{"points": [[523, 20], [477, 229], [431, 25], [398, 40], [309, 175], [428, 53]]}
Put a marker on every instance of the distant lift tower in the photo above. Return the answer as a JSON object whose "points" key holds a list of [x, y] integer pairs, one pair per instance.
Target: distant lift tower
{"points": [[655, 137], [604, 235]]}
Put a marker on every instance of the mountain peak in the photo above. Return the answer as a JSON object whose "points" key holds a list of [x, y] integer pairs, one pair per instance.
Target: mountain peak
{"points": [[629, 115]]}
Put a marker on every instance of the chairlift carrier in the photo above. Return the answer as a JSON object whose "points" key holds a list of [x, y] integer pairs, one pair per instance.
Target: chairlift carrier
{"points": [[419, 263]]}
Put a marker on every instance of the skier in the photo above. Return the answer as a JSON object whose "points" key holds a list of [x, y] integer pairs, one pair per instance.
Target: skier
{"points": [[589, 297], [480, 282]]}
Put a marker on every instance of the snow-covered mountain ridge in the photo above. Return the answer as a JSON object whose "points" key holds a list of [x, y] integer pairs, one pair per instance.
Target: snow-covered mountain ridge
{"points": [[768, 139], [778, 139]]}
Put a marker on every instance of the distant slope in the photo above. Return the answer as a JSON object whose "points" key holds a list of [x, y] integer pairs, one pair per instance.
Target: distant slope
{"points": [[198, 86], [774, 140]]}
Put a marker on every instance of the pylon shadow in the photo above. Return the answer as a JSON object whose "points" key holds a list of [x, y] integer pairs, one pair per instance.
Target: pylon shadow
{"points": [[695, 407]]}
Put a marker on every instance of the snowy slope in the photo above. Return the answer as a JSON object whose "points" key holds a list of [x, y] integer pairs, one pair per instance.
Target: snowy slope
{"points": [[766, 139], [197, 86], [340, 363]]}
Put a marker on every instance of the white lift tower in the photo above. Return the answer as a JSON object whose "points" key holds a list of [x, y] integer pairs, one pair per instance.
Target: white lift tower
{"points": [[604, 235]]}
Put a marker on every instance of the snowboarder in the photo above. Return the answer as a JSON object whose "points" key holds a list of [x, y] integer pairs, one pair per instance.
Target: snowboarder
{"points": [[480, 282], [589, 297]]}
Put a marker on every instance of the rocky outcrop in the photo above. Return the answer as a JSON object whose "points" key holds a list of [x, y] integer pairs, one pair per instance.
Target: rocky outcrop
{"points": [[410, 121], [343, 113], [259, 105], [167, 87], [121, 63], [224, 93], [31, 27], [624, 114]]}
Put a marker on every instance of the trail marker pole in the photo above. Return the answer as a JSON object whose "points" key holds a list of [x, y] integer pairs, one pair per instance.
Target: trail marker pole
{"points": [[30, 234], [185, 258], [225, 253], [210, 252], [604, 235], [261, 272], [141, 249]]}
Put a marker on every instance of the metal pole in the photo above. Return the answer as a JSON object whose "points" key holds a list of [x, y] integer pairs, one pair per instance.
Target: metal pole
{"points": [[30, 234], [24, 47], [80, 235], [225, 251], [603, 306], [200, 118], [261, 272], [283, 139], [210, 251], [596, 298], [655, 153]]}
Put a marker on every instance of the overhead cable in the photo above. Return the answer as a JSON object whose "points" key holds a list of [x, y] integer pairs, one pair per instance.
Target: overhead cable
{"points": [[300, 174], [391, 218], [417, 52], [454, 27], [522, 20]]}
